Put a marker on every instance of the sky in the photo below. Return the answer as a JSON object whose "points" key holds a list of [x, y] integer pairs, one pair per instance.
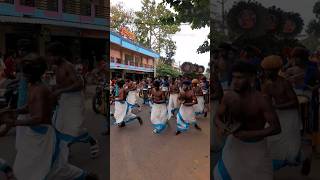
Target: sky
{"points": [[187, 40]]}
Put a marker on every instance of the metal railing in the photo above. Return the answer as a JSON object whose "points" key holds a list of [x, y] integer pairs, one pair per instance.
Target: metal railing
{"points": [[7, 1], [30, 3], [130, 63], [50, 5], [76, 7]]}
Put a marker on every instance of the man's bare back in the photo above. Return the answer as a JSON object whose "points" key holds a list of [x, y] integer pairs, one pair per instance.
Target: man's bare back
{"points": [[246, 110], [188, 98], [40, 103], [198, 91], [174, 88], [66, 75], [281, 92], [158, 96]]}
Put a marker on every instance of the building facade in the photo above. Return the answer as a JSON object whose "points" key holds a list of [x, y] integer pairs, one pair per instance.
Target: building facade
{"points": [[128, 59], [83, 25]]}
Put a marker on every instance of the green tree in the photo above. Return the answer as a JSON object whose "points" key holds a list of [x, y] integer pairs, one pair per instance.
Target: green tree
{"points": [[152, 27], [165, 70], [121, 17], [195, 12], [313, 29]]}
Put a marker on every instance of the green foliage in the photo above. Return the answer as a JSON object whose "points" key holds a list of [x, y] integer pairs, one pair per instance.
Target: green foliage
{"points": [[154, 28], [165, 70], [311, 42], [195, 12], [316, 9], [313, 28], [120, 17]]}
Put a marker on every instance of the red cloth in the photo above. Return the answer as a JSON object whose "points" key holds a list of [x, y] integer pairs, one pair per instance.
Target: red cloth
{"points": [[10, 67]]}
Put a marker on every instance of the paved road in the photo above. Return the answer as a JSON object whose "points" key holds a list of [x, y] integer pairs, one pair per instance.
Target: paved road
{"points": [[138, 154], [79, 152]]}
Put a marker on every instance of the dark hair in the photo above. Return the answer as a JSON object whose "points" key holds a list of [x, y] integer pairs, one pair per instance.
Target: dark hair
{"points": [[186, 82], [120, 83], [243, 67], [24, 44], [34, 65], [156, 83], [57, 49]]}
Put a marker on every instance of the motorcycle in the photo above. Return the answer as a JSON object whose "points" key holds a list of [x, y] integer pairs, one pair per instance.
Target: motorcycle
{"points": [[100, 99], [9, 95]]}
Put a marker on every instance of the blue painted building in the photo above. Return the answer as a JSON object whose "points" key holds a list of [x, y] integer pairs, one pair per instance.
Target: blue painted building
{"points": [[81, 26], [127, 58]]}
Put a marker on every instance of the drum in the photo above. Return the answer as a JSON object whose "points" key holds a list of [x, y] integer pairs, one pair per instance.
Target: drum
{"points": [[304, 104]]}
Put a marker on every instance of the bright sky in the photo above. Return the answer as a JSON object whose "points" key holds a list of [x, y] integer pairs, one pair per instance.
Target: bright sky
{"points": [[187, 40]]}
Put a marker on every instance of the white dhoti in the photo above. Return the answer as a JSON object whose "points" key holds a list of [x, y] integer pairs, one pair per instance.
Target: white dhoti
{"points": [[132, 99], [244, 161], [68, 120], [122, 112], [69, 116], [34, 152], [199, 107], [159, 117], [39, 156], [185, 118], [285, 147], [20, 130], [173, 105]]}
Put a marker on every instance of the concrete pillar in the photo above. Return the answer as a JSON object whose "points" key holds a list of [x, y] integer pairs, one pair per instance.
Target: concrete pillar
{"points": [[42, 44], [2, 40]]}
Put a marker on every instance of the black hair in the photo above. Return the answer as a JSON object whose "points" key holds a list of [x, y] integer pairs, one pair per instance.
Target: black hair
{"points": [[24, 44], [120, 83], [57, 49], [156, 83], [34, 65], [243, 67]]}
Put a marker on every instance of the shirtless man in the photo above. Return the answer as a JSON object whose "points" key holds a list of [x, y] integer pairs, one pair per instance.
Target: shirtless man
{"points": [[69, 116], [159, 109], [186, 114], [121, 114], [281, 94], [131, 90], [173, 105], [38, 141], [248, 114]]}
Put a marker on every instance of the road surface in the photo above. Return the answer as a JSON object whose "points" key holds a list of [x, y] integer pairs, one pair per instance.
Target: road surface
{"points": [[138, 154]]}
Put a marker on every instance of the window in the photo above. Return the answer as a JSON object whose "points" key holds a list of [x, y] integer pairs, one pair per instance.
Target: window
{"points": [[138, 61], [128, 59]]}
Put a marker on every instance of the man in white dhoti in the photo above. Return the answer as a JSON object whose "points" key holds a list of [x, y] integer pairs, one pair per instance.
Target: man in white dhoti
{"points": [[159, 112], [186, 114], [199, 107], [174, 104], [245, 154], [122, 113], [285, 148], [69, 115], [38, 154], [132, 97]]}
